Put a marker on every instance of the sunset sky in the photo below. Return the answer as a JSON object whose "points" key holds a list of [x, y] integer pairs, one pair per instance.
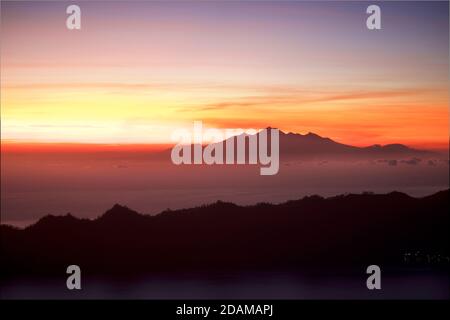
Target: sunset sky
{"points": [[138, 70]]}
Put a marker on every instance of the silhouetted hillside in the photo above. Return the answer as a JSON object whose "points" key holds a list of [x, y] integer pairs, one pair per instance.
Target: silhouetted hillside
{"points": [[342, 231], [313, 146]]}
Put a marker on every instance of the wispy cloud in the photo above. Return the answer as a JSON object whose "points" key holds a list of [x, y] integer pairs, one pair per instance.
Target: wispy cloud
{"points": [[301, 97]]}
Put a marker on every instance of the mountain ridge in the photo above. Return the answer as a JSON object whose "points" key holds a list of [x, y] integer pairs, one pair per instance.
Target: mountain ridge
{"points": [[346, 231], [312, 145], [118, 211]]}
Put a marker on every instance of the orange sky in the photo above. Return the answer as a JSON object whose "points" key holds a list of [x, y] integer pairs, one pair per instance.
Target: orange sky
{"points": [[134, 74]]}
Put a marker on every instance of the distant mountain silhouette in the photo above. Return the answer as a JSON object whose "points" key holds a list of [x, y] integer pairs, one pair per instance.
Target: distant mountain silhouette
{"points": [[352, 230], [313, 146]]}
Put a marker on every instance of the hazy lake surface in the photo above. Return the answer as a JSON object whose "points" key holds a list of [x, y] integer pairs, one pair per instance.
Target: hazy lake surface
{"points": [[416, 284], [88, 185]]}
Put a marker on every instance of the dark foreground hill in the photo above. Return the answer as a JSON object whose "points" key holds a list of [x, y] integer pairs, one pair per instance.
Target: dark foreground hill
{"points": [[314, 232]]}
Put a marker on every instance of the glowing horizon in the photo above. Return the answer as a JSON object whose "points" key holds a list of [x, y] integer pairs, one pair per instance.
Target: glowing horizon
{"points": [[133, 74]]}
